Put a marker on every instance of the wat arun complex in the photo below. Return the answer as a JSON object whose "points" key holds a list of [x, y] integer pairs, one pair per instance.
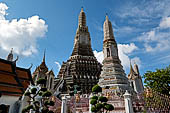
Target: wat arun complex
{"points": [[82, 68]]}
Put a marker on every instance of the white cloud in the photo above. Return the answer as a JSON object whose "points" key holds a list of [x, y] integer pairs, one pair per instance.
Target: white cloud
{"points": [[144, 12], [165, 23], [145, 9], [58, 66], [3, 8], [99, 55], [158, 38], [125, 51], [21, 34]]}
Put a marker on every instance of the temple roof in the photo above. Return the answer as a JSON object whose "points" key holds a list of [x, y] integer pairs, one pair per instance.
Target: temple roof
{"points": [[13, 80]]}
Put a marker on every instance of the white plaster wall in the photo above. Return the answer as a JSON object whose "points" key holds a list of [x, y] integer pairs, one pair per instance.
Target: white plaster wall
{"points": [[8, 100]]}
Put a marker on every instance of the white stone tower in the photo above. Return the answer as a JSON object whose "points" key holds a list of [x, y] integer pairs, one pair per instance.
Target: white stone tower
{"points": [[112, 75]]}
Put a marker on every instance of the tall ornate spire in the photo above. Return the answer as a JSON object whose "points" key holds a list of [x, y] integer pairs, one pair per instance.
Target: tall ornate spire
{"points": [[10, 55], [82, 68], [82, 41], [43, 66], [44, 56], [113, 75]]}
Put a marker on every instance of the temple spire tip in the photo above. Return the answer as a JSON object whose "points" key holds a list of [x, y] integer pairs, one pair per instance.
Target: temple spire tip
{"points": [[44, 55], [82, 9], [107, 18]]}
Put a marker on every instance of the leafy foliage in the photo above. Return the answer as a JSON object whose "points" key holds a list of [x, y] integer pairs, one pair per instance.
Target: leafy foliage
{"points": [[158, 80], [93, 101], [41, 81], [95, 97], [46, 94], [103, 99], [33, 90], [109, 107], [99, 103], [43, 89], [96, 89], [94, 109], [27, 93], [41, 106]]}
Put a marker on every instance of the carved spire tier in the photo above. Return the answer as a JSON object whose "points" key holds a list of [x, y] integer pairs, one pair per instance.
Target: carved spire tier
{"points": [[112, 75], [82, 41], [82, 68]]}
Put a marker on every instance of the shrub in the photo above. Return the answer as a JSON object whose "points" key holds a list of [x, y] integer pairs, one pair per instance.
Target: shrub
{"points": [[24, 110], [96, 89], [40, 93], [29, 107], [99, 106], [93, 101], [103, 99], [109, 107], [44, 89], [41, 81], [51, 103], [27, 93], [46, 94], [95, 97], [33, 90], [94, 109]]}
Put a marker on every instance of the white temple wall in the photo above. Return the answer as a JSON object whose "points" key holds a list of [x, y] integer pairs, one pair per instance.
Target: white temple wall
{"points": [[8, 100]]}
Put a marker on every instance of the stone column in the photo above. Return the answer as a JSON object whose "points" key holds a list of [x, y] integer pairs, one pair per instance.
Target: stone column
{"points": [[128, 102], [64, 104]]}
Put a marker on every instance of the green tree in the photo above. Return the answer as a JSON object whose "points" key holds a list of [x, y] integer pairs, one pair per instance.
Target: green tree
{"points": [[41, 106], [99, 103], [159, 80]]}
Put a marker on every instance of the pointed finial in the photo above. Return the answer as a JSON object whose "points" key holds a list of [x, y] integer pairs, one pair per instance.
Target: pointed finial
{"points": [[131, 68], [11, 50], [44, 56], [82, 9], [107, 18], [130, 63], [16, 59], [82, 18]]}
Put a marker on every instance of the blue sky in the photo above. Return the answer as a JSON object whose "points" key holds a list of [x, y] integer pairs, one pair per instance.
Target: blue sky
{"points": [[141, 29]]}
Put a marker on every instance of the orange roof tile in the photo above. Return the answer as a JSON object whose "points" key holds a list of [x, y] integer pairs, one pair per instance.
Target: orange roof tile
{"points": [[7, 78], [10, 89], [22, 74], [5, 67]]}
